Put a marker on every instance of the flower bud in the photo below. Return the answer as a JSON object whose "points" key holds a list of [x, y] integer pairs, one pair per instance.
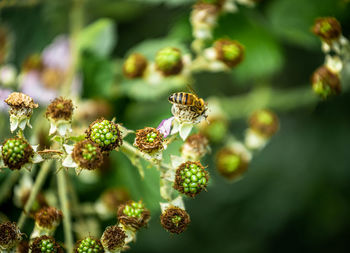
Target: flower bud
{"points": [[229, 52], [203, 19], [232, 162], [169, 61], [133, 215], [105, 134], [10, 236], [175, 220], [134, 66], [16, 152], [327, 28], [215, 130], [110, 201], [191, 178], [195, 147], [21, 110], [325, 83], [87, 155], [46, 221], [113, 239], [89, 244], [149, 140], [59, 113], [45, 244]]}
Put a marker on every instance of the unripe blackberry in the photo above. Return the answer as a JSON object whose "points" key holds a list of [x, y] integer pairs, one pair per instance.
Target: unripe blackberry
{"points": [[45, 244], [87, 155], [149, 140], [60, 109], [230, 163], [113, 238], [325, 83], [10, 236], [88, 245], [16, 152], [327, 28], [135, 65], [264, 122], [133, 215], [169, 61], [175, 220], [105, 134], [229, 52], [191, 178]]}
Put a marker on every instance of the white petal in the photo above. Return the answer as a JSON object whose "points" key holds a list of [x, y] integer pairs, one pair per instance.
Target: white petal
{"points": [[178, 202], [185, 130], [254, 140], [169, 175], [28, 166], [176, 161], [22, 124], [68, 148], [13, 123], [35, 147], [164, 206], [28, 123], [53, 129], [37, 158], [176, 127], [69, 163], [64, 128], [124, 131]]}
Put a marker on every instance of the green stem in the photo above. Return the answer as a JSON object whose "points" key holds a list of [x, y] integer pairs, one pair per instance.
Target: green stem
{"points": [[39, 181], [63, 196], [6, 186]]}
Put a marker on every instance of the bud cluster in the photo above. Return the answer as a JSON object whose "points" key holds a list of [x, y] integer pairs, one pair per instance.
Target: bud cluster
{"points": [[175, 220], [45, 244], [16, 152], [133, 215], [89, 244]]}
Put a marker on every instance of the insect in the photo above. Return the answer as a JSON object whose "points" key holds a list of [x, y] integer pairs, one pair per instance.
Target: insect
{"points": [[188, 99]]}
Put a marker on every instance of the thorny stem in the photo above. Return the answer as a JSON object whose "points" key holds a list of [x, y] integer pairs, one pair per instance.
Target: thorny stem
{"points": [[44, 171], [63, 196]]}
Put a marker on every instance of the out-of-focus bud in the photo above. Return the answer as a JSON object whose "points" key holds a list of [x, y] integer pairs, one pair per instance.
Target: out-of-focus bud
{"points": [[229, 52], [134, 66], [33, 62], [5, 44], [113, 239], [325, 82], [10, 236], [8, 75], [21, 110], [191, 178], [89, 110], [22, 247], [46, 221], [262, 125], [169, 61], [175, 219], [327, 28], [215, 130], [110, 201], [232, 161], [59, 113], [195, 147]]}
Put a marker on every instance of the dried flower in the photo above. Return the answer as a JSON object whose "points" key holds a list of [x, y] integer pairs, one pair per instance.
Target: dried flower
{"points": [[89, 244], [150, 141], [232, 161], [60, 112], [45, 244], [327, 28], [105, 133], [135, 65], [191, 178], [113, 239], [21, 110], [133, 215], [10, 236], [195, 147], [22, 247], [325, 83], [169, 61], [17, 153], [175, 220], [46, 221]]}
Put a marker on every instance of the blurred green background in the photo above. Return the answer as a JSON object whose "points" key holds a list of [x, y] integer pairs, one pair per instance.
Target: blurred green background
{"points": [[295, 195]]}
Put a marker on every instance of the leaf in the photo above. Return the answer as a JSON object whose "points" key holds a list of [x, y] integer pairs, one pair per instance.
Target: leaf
{"points": [[98, 37]]}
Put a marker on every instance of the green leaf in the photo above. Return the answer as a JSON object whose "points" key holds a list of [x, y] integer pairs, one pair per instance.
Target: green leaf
{"points": [[98, 37]]}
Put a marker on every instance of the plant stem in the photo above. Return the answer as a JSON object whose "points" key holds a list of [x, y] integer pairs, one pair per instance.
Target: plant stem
{"points": [[39, 181], [63, 196], [6, 186]]}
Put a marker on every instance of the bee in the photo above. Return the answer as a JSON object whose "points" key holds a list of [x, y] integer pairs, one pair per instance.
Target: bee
{"points": [[188, 99]]}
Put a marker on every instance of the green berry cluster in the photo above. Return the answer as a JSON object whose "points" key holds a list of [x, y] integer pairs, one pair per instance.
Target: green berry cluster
{"points": [[90, 245], [105, 133], [169, 60], [191, 178], [16, 152], [134, 209], [151, 137], [89, 152], [47, 246], [175, 220]]}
